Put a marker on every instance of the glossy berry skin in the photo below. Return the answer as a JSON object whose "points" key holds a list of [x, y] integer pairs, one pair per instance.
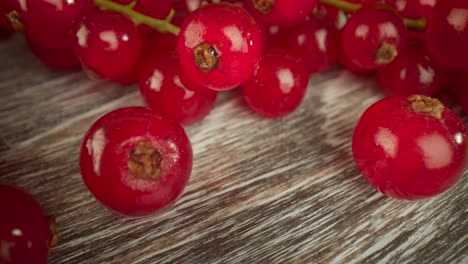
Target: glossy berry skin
{"points": [[48, 23], [414, 9], [413, 72], [60, 59], [168, 92], [447, 34], [284, 13], [107, 44], [219, 46], [373, 37], [410, 147], [277, 87], [157, 9], [316, 42], [24, 228], [134, 161]]}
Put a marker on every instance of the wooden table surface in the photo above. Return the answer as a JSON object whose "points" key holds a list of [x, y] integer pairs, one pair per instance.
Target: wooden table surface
{"points": [[261, 191]]}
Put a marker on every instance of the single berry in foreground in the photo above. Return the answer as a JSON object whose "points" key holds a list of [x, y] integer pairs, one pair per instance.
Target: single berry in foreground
{"points": [[219, 46], [108, 44], [277, 86], [373, 37], [410, 147], [168, 92], [413, 72], [134, 161], [25, 235]]}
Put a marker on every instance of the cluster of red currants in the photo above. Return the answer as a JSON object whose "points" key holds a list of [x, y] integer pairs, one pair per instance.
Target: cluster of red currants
{"points": [[137, 160]]}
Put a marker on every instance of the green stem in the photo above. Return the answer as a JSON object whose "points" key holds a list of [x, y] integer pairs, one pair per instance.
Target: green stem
{"points": [[158, 24], [342, 4], [416, 24]]}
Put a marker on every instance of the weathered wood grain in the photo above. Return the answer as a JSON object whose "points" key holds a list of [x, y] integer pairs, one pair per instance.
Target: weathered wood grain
{"points": [[261, 191]]}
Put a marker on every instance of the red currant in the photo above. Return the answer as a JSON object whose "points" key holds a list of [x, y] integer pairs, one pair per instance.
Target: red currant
{"points": [[410, 147], [447, 34], [25, 236], [316, 42], [278, 85], [170, 93], [373, 37], [107, 43], [412, 72], [48, 23], [283, 13], [219, 46], [157, 9], [135, 162]]}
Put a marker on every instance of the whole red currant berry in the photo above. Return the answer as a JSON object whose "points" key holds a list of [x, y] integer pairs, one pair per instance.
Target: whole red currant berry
{"points": [[25, 236], [316, 42], [410, 147], [107, 43], [277, 86], [134, 161], [219, 46], [168, 92], [373, 37]]}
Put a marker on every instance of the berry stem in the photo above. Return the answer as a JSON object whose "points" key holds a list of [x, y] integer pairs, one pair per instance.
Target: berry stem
{"points": [[416, 24], [158, 24]]}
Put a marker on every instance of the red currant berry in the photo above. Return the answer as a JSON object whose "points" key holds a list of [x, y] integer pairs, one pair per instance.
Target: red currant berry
{"points": [[413, 8], [61, 59], [283, 13], [107, 43], [157, 9], [25, 236], [277, 87], [135, 162], [412, 72], [170, 93], [316, 42], [373, 37], [219, 46], [410, 147], [48, 23], [447, 34]]}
